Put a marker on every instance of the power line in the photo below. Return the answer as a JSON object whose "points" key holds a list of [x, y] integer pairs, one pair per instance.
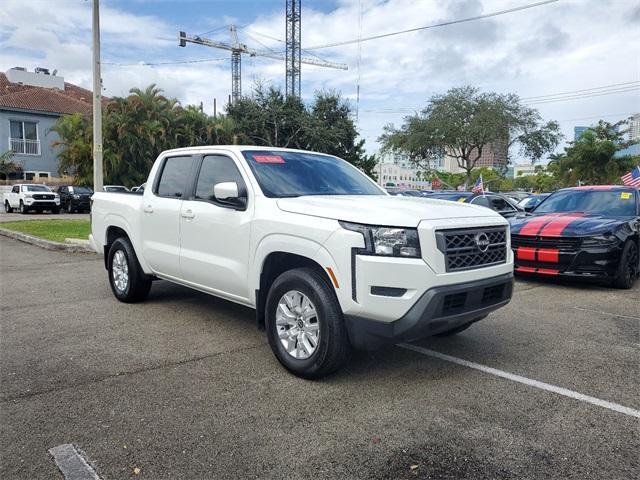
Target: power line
{"points": [[580, 97], [435, 25], [583, 90], [151, 64]]}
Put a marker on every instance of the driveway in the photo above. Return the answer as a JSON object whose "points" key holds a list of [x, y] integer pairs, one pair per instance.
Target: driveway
{"points": [[184, 386]]}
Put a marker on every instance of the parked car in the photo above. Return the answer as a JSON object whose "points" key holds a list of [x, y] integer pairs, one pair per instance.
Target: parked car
{"points": [[139, 188], [530, 203], [516, 196], [404, 193], [75, 198], [582, 232], [26, 197], [326, 258], [499, 203], [115, 188]]}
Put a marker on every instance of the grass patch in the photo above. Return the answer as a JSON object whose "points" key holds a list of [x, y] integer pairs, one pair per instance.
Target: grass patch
{"points": [[55, 230]]}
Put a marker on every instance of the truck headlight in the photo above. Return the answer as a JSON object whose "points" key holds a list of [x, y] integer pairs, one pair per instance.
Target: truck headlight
{"points": [[76, 196], [28, 195], [387, 241]]}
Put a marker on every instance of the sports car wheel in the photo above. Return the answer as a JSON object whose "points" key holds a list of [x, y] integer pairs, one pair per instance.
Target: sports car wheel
{"points": [[628, 267]]}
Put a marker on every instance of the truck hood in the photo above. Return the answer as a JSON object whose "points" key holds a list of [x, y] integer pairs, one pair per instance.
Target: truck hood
{"points": [[381, 209]]}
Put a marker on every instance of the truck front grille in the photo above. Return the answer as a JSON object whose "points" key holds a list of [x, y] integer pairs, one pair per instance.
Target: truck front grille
{"points": [[43, 196], [472, 247]]}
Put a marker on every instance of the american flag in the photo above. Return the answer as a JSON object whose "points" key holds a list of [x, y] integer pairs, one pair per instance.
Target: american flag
{"points": [[478, 187], [632, 179]]}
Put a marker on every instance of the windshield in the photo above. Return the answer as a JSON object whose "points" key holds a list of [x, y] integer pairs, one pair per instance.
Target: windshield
{"points": [[614, 203], [35, 188], [293, 174], [82, 190]]}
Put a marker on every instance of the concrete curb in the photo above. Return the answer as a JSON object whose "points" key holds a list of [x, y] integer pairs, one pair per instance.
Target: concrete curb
{"points": [[48, 244]]}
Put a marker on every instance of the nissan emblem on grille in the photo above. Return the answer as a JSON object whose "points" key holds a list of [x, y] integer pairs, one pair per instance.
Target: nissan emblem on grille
{"points": [[482, 241], [471, 248]]}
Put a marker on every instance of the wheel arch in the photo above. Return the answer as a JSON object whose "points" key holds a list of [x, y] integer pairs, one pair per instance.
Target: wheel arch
{"points": [[117, 228], [276, 262]]}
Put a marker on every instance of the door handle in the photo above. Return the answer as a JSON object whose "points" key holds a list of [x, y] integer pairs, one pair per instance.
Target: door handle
{"points": [[188, 214], [148, 209]]}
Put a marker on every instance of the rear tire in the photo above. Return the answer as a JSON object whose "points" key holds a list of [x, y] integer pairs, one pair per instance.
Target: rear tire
{"points": [[128, 281], [628, 267], [332, 348], [7, 207]]}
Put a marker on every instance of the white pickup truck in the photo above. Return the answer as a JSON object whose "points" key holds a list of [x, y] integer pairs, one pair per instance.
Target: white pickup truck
{"points": [[328, 260], [25, 197]]}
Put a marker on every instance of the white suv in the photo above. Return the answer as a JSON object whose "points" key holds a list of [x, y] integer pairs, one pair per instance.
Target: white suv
{"points": [[26, 197], [328, 259]]}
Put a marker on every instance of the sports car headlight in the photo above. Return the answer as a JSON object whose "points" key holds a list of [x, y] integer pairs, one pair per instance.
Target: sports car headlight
{"points": [[387, 241], [600, 241]]}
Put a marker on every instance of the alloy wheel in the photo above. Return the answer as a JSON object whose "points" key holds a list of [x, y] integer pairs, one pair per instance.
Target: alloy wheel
{"points": [[297, 325], [120, 271]]}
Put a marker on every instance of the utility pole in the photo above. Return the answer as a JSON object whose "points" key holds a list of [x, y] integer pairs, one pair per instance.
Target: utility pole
{"points": [[293, 58], [97, 102]]}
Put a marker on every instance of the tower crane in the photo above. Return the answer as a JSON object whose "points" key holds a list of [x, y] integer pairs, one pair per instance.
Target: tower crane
{"points": [[237, 49]]}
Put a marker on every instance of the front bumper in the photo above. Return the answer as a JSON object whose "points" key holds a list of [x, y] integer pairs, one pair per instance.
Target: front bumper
{"points": [[437, 310], [594, 262], [44, 204]]}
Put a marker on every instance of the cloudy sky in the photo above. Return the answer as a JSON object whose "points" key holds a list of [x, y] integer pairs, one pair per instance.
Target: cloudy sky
{"points": [[567, 46]]}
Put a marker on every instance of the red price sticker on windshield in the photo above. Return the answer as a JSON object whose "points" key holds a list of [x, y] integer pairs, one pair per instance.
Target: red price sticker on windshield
{"points": [[268, 158]]}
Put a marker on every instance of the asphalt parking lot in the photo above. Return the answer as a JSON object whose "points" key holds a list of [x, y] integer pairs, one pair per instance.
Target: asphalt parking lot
{"points": [[184, 386]]}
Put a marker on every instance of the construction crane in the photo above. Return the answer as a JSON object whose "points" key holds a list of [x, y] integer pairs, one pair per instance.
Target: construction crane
{"points": [[237, 49], [293, 49]]}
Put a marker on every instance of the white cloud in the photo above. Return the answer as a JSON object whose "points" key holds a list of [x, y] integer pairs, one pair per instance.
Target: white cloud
{"points": [[554, 48]]}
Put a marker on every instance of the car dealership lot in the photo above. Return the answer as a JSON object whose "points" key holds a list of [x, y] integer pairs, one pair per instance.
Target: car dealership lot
{"points": [[184, 386]]}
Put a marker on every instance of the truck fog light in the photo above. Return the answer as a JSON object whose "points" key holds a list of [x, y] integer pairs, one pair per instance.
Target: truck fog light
{"points": [[409, 252]]}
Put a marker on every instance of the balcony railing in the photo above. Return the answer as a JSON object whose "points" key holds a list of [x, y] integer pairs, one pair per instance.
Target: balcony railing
{"points": [[24, 147]]}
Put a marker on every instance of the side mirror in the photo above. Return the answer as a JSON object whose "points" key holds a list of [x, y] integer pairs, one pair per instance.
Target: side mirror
{"points": [[529, 209], [228, 193]]}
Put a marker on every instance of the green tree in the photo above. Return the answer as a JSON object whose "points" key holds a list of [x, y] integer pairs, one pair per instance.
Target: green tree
{"points": [[136, 129], [464, 122], [592, 159], [268, 118], [8, 165]]}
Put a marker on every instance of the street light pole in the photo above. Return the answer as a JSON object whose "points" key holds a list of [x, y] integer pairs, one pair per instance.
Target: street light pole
{"points": [[97, 102]]}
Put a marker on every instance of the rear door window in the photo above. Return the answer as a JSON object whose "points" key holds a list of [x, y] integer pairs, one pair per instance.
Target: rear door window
{"points": [[174, 176]]}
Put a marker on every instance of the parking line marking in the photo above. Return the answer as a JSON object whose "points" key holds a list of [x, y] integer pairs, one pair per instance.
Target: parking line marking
{"points": [[606, 313], [72, 465], [527, 381]]}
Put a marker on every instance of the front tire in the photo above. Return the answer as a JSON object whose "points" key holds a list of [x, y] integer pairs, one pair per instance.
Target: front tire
{"points": [[128, 281], [304, 324], [7, 207], [628, 267], [22, 208], [55, 210]]}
